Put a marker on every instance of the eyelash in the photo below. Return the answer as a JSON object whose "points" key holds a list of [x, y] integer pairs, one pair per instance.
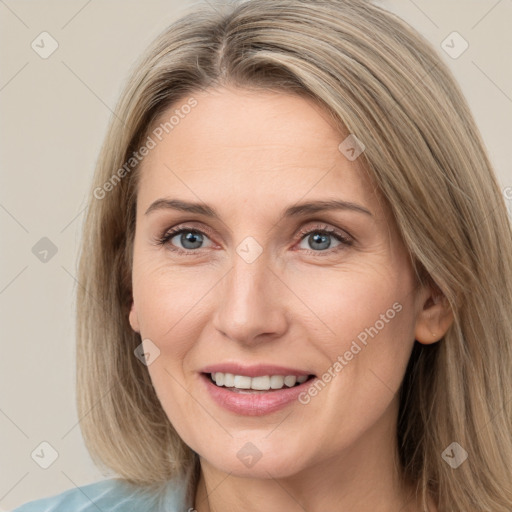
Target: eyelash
{"points": [[345, 240]]}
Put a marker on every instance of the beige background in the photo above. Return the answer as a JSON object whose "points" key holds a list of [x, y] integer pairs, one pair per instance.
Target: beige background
{"points": [[54, 113]]}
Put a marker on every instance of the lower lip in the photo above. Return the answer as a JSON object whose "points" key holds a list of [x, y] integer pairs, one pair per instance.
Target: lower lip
{"points": [[257, 403]]}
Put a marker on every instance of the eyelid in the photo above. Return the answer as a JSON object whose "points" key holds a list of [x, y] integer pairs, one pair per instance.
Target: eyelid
{"points": [[323, 227], [170, 233]]}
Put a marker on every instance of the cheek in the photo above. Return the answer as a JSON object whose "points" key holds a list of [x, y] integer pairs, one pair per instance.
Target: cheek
{"points": [[180, 405], [336, 306], [351, 302], [167, 298], [373, 321], [369, 331]]}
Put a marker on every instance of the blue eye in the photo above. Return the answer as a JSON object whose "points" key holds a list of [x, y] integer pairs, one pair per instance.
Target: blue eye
{"points": [[189, 238], [319, 240]]}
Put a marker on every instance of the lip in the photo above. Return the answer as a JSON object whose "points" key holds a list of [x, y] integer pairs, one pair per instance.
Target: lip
{"points": [[254, 370], [256, 403]]}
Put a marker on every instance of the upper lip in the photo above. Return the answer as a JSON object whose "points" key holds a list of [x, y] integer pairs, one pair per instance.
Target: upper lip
{"points": [[257, 370]]}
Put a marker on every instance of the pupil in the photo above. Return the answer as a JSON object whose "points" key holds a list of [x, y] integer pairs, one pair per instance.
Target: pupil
{"points": [[317, 238], [191, 237]]}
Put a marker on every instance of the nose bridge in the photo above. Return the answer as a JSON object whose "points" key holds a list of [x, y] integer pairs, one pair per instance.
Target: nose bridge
{"points": [[249, 305]]}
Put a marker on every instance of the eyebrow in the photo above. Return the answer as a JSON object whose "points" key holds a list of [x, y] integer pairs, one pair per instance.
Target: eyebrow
{"points": [[292, 211]]}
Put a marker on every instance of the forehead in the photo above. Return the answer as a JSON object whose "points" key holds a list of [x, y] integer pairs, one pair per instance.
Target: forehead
{"points": [[250, 145]]}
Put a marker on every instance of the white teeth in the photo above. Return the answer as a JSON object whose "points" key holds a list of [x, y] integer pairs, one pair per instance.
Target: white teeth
{"points": [[290, 380], [229, 380], [241, 382], [276, 382], [260, 383]]}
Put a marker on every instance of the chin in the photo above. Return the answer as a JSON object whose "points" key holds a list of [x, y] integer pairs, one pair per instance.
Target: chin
{"points": [[259, 459]]}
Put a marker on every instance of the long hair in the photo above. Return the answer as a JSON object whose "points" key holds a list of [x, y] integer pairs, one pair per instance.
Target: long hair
{"points": [[384, 83]]}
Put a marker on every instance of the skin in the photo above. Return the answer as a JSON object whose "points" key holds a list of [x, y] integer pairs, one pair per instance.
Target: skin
{"points": [[249, 155]]}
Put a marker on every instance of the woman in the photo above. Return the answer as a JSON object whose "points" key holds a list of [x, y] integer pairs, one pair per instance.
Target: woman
{"points": [[296, 276]]}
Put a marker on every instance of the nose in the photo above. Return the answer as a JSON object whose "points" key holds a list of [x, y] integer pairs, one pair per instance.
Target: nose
{"points": [[251, 303]]}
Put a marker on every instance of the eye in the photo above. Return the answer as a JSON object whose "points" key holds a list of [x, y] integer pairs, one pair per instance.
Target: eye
{"points": [[320, 239], [190, 239]]}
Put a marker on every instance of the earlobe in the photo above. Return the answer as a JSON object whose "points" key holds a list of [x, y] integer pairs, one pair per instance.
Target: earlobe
{"points": [[434, 320], [134, 319]]}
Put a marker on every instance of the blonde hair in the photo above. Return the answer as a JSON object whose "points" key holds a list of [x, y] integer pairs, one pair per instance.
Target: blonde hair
{"points": [[381, 81]]}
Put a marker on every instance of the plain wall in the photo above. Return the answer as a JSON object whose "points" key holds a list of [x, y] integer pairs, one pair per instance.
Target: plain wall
{"points": [[54, 113]]}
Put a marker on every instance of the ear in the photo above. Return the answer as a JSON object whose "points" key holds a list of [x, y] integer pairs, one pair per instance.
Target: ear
{"points": [[435, 317], [134, 318]]}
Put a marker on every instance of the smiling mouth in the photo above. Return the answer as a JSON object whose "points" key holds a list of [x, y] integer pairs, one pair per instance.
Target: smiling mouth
{"points": [[260, 384]]}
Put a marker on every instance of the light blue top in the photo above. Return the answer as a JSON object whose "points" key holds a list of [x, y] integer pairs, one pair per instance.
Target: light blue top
{"points": [[113, 495]]}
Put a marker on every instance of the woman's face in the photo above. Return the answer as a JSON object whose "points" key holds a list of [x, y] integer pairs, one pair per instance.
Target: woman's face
{"points": [[257, 287]]}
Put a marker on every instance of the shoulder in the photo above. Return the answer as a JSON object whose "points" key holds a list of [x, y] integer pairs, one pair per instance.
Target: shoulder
{"points": [[113, 495], [106, 495]]}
